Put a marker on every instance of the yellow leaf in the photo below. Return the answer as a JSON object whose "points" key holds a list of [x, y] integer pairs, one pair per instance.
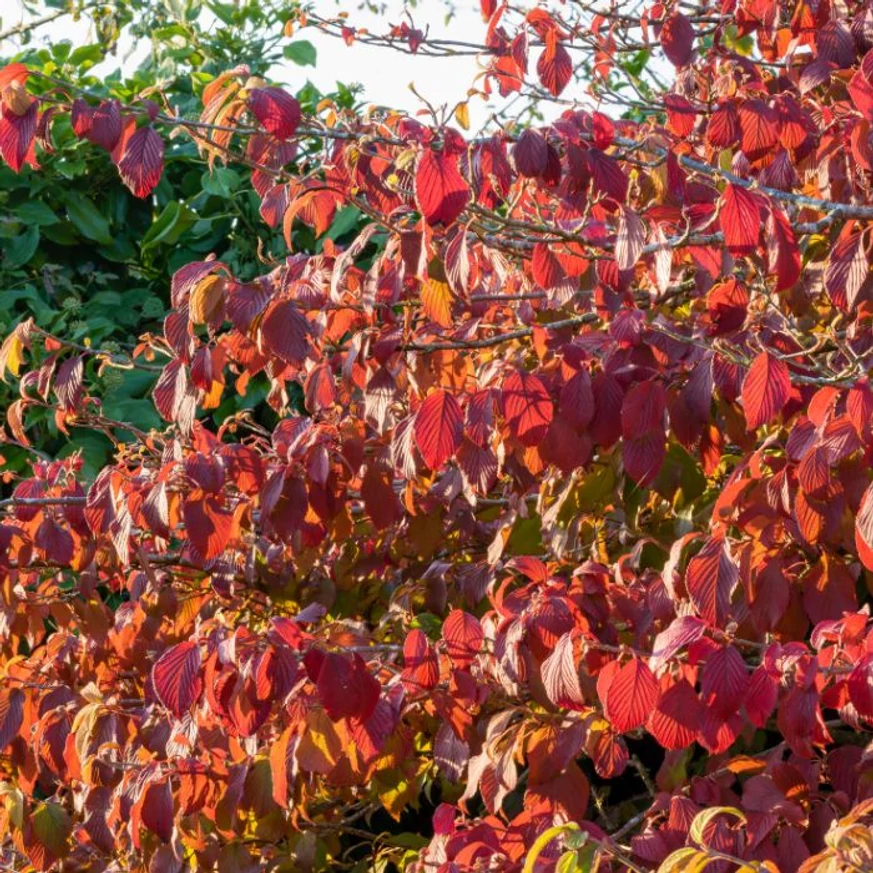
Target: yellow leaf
{"points": [[684, 860], [320, 746], [13, 802], [206, 299], [758, 867], [436, 299], [11, 355], [702, 819], [462, 115], [542, 841]]}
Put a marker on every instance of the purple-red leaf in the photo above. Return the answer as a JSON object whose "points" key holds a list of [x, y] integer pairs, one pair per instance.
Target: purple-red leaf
{"points": [[632, 696], [176, 677], [766, 390], [629, 239], [554, 67], [677, 39], [438, 428], [724, 682], [440, 189], [710, 579], [463, 636], [143, 162], [276, 109], [11, 715], [527, 407], [16, 137], [740, 219]]}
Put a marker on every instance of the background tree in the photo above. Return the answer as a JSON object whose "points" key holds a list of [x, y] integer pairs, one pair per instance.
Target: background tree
{"points": [[92, 262], [553, 522]]}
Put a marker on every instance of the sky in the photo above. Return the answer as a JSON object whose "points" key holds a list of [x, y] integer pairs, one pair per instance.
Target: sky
{"points": [[385, 74]]}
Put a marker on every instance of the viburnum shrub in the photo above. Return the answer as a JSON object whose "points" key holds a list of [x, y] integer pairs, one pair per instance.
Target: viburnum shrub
{"points": [[556, 523]]}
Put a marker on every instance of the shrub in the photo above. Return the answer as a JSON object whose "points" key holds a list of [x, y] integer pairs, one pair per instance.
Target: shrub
{"points": [[546, 544]]}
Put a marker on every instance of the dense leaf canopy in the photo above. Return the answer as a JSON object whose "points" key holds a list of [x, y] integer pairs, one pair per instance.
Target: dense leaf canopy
{"points": [[491, 500]]}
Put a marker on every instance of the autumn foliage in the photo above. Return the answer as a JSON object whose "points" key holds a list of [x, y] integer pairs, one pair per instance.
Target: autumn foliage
{"points": [[551, 544]]}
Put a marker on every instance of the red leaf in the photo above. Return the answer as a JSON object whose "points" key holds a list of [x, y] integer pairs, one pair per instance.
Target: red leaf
{"points": [[478, 464], [380, 500], [681, 115], [677, 39], [643, 456], [847, 269], [16, 137], [759, 129], [723, 129], [285, 332], [860, 684], [602, 130], [761, 694], [276, 109], [683, 631], [155, 807], [740, 219], [11, 715], [143, 162], [421, 666], [864, 529], [55, 541], [174, 396], [629, 239], [104, 127], [208, 524], [320, 389], [527, 407], [13, 73], [81, 117], [554, 67], [676, 720], [642, 409], [576, 402], [642, 425], [798, 719], [440, 189], [561, 675], [176, 677], [783, 255], [546, 268], [724, 682], [766, 390], [463, 635], [438, 428], [710, 579], [68, 383], [631, 696], [861, 87], [531, 153], [346, 688]]}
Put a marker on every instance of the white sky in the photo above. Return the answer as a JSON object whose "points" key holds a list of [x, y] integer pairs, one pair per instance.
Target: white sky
{"points": [[384, 73]]}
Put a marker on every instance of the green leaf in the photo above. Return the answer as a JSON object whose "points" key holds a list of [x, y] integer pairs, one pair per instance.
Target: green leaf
{"points": [[87, 56], [175, 219], [346, 219], [301, 52], [89, 220], [96, 450], [35, 212], [52, 826], [221, 182], [21, 248], [223, 11]]}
